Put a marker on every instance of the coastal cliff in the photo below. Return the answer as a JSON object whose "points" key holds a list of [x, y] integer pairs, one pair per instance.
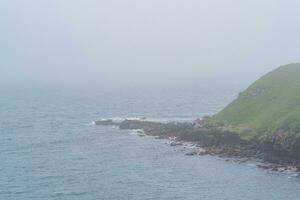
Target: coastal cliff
{"points": [[268, 112], [263, 122]]}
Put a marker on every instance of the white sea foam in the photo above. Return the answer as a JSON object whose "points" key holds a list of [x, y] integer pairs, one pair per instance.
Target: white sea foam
{"points": [[137, 132], [150, 119], [91, 123], [120, 119], [189, 145]]}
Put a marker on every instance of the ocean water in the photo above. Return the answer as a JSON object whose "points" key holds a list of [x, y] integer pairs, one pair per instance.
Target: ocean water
{"points": [[49, 149]]}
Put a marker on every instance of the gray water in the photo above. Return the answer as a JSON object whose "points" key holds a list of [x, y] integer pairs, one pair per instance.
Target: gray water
{"points": [[49, 148]]}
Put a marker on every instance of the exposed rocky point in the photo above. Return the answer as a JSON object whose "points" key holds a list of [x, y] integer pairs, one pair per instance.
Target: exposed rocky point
{"points": [[282, 149]]}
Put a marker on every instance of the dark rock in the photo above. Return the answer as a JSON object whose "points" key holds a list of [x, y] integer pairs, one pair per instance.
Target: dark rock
{"points": [[191, 153], [107, 122], [175, 143], [282, 148], [263, 166]]}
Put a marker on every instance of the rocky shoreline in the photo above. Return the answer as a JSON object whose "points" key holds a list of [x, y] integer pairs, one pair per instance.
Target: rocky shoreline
{"points": [[276, 153]]}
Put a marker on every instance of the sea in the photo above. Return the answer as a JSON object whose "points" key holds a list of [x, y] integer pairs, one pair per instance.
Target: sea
{"points": [[50, 149]]}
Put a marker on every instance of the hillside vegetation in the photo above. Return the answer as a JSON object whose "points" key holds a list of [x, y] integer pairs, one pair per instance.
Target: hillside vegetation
{"points": [[272, 103]]}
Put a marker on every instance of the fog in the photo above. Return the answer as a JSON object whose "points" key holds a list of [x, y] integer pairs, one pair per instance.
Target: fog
{"points": [[145, 42]]}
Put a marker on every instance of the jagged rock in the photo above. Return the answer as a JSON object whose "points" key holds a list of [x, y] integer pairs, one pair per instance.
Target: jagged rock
{"points": [[282, 148]]}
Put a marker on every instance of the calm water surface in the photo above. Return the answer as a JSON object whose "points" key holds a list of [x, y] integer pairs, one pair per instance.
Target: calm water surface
{"points": [[50, 150]]}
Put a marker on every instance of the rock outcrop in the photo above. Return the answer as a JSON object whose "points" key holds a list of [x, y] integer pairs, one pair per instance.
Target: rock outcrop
{"points": [[282, 148]]}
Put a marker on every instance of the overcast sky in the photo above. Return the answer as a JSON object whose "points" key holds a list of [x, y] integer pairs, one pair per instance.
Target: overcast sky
{"points": [[145, 41]]}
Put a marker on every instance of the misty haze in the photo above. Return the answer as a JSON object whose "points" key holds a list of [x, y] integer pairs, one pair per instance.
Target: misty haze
{"points": [[162, 99]]}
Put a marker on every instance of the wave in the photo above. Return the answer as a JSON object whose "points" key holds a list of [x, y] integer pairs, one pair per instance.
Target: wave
{"points": [[91, 123], [137, 132], [151, 119]]}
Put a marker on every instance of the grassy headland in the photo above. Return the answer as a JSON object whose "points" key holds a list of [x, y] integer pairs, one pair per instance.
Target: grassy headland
{"points": [[272, 103], [263, 122]]}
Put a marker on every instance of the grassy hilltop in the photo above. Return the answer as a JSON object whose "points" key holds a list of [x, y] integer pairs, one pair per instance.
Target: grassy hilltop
{"points": [[270, 104]]}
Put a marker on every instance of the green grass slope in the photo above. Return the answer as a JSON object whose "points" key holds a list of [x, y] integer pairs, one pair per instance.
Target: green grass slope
{"points": [[270, 104]]}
